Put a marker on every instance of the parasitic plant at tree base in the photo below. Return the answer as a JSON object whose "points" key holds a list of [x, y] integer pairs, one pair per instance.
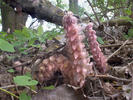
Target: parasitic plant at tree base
{"points": [[76, 68], [80, 60], [95, 49]]}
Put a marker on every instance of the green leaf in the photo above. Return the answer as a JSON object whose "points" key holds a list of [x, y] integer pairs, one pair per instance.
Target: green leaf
{"points": [[28, 74], [130, 32], [126, 18], [126, 36], [11, 70], [51, 87], [6, 46], [33, 87], [3, 34], [40, 30], [23, 52], [24, 81], [22, 34], [128, 11], [100, 40], [24, 96]]}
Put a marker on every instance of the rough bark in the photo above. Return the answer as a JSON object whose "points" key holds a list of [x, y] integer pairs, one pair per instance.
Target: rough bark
{"points": [[12, 20], [41, 9], [118, 22]]}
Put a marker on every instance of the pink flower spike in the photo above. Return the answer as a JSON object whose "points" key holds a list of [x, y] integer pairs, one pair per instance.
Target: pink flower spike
{"points": [[95, 49], [76, 55], [77, 50], [74, 47]]}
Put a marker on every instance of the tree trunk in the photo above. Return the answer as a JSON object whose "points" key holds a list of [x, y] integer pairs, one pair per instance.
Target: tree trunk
{"points": [[73, 6], [12, 20], [41, 9]]}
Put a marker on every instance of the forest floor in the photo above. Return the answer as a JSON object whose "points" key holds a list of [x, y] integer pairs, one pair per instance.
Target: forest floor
{"points": [[115, 85]]}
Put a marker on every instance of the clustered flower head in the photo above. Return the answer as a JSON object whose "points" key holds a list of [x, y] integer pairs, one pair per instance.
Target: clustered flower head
{"points": [[51, 65], [77, 66], [95, 49], [80, 60]]}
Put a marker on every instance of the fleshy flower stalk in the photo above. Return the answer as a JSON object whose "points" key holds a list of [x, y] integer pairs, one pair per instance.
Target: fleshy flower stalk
{"points": [[95, 49], [81, 67]]}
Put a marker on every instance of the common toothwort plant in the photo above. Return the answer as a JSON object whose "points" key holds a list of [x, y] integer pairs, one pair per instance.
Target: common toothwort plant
{"points": [[95, 49], [81, 66], [78, 67]]}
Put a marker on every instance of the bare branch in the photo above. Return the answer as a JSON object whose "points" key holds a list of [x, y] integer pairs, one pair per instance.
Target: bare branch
{"points": [[41, 9]]}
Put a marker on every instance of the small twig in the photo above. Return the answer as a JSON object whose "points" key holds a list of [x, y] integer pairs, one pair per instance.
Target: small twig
{"points": [[12, 97], [110, 77], [118, 50], [92, 89], [23, 64], [132, 87], [130, 66], [32, 23], [9, 86], [102, 89], [97, 20], [114, 45], [109, 35], [97, 98], [31, 89], [94, 12], [114, 96], [8, 92], [100, 85], [90, 18]]}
